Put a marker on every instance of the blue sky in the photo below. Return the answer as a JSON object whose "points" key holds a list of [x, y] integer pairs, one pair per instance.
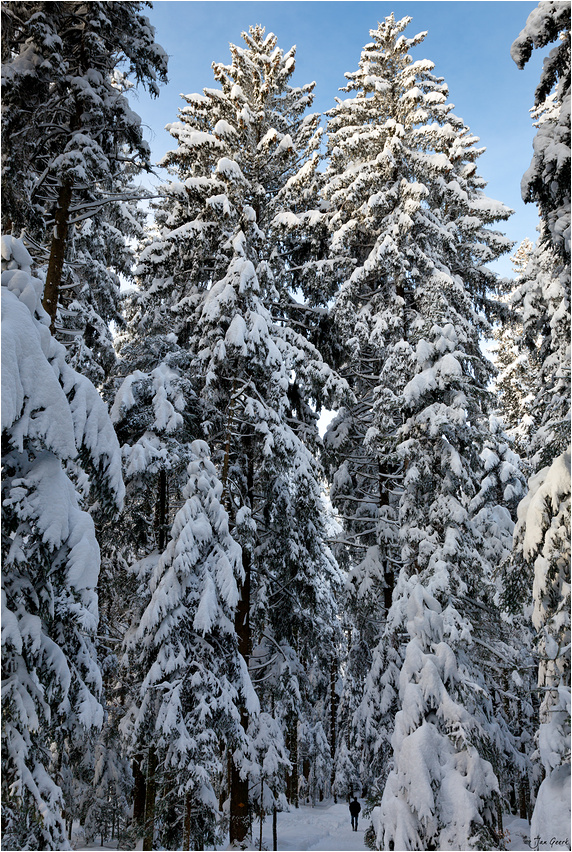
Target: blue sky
{"points": [[469, 42]]}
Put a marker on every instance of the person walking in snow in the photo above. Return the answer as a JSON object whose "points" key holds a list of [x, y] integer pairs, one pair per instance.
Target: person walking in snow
{"points": [[355, 808]]}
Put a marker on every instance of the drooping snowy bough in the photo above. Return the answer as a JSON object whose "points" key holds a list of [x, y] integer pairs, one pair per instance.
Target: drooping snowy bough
{"points": [[55, 430]]}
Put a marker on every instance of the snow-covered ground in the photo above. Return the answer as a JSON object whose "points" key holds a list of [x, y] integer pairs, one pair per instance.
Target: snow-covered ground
{"points": [[517, 833], [327, 828]]}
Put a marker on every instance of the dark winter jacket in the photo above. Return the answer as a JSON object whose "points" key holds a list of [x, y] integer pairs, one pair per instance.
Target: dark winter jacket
{"points": [[355, 808]]}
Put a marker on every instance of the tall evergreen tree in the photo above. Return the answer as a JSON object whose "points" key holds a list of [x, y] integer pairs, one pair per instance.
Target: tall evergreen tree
{"points": [[71, 145], [515, 363], [57, 437], [189, 699], [218, 275], [547, 180], [542, 537], [156, 417], [544, 293], [408, 205]]}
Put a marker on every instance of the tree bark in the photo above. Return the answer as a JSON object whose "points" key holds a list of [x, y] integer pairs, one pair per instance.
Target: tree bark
{"points": [[334, 701], [239, 803], [150, 801], [261, 814], [187, 823], [500, 824], [138, 792], [227, 448], [292, 745], [161, 511], [388, 575], [274, 828], [306, 766], [57, 254]]}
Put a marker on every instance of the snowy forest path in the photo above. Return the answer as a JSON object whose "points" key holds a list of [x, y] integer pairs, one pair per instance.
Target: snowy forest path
{"points": [[324, 828]]}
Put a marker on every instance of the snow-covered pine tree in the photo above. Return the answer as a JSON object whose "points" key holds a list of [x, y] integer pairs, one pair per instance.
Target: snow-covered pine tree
{"points": [[544, 293], [542, 541], [316, 760], [71, 146], [542, 537], [258, 121], [294, 614], [100, 258], [266, 760], [107, 804], [218, 272], [57, 435], [541, 302], [509, 666], [408, 204], [547, 180], [372, 192], [188, 703], [445, 599], [266, 467], [515, 364], [156, 417]]}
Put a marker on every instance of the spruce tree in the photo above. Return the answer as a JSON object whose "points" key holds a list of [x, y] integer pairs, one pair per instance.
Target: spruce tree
{"points": [[71, 146], [156, 417], [542, 537], [188, 702], [408, 206], [547, 180], [60, 455], [218, 274], [515, 363]]}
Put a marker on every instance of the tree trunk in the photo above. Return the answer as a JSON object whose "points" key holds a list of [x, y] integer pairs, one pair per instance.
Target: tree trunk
{"points": [[275, 828], [261, 814], [227, 448], [239, 809], [400, 292], [388, 575], [524, 793], [524, 799], [292, 745], [57, 253], [239, 804], [150, 801], [161, 511], [500, 825], [310, 795], [138, 792], [187, 824], [334, 701]]}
